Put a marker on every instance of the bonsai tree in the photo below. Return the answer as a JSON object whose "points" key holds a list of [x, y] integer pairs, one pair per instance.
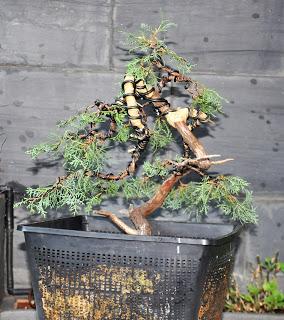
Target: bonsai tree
{"points": [[87, 137]]}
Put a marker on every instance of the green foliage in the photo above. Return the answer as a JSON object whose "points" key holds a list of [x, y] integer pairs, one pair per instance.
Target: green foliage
{"points": [[138, 188], [148, 43], [141, 68], [89, 116], [84, 143], [123, 133], [161, 135], [195, 197], [83, 157], [80, 124], [76, 191], [119, 114], [157, 168], [70, 192], [79, 153], [84, 154], [223, 192], [148, 36], [209, 102], [181, 64], [263, 293], [33, 202], [44, 147], [79, 191], [82, 119]]}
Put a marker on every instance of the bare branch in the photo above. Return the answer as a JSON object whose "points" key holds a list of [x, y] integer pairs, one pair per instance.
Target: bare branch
{"points": [[117, 221], [222, 161], [196, 161]]}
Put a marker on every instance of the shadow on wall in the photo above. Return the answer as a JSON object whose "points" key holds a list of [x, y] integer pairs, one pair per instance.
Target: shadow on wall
{"points": [[45, 164]]}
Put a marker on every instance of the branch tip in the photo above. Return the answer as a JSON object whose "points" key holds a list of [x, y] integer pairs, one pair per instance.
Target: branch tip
{"points": [[117, 221]]}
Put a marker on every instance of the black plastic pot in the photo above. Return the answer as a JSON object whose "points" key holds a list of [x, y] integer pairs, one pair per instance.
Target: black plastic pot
{"points": [[84, 268]]}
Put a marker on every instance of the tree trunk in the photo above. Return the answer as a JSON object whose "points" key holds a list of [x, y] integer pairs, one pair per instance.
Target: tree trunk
{"points": [[194, 144], [138, 215]]}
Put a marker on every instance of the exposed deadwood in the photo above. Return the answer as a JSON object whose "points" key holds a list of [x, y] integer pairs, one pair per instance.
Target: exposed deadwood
{"points": [[161, 104], [194, 88], [133, 111], [177, 119], [138, 121], [221, 161], [196, 161], [194, 144], [179, 115], [117, 221]]}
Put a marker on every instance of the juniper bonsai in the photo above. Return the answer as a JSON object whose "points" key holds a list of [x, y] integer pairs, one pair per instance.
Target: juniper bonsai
{"points": [[89, 135]]}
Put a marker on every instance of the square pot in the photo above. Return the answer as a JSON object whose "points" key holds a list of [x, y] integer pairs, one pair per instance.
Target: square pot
{"points": [[84, 268]]}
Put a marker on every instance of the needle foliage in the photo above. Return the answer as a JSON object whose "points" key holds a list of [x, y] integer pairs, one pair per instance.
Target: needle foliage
{"points": [[150, 45], [85, 145]]}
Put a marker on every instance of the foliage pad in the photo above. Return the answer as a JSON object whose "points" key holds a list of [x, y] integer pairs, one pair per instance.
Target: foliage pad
{"points": [[85, 152]]}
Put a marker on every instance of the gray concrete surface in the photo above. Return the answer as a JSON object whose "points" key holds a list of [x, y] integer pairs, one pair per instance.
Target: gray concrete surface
{"points": [[60, 33], [22, 314], [221, 37]]}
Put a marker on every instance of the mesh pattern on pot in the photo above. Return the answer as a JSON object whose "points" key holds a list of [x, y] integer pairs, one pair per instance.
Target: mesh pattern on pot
{"points": [[82, 285], [215, 287], [94, 278]]}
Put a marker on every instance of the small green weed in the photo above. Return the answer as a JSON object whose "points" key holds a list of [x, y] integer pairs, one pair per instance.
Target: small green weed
{"points": [[263, 293]]}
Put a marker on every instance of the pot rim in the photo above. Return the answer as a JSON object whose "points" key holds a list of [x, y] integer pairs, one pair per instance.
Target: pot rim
{"points": [[42, 228]]}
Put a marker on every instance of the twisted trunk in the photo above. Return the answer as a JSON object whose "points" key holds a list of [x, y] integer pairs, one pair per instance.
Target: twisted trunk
{"points": [[177, 119], [138, 215]]}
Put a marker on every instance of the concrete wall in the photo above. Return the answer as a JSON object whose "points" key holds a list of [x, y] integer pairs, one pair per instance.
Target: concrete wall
{"points": [[56, 56]]}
